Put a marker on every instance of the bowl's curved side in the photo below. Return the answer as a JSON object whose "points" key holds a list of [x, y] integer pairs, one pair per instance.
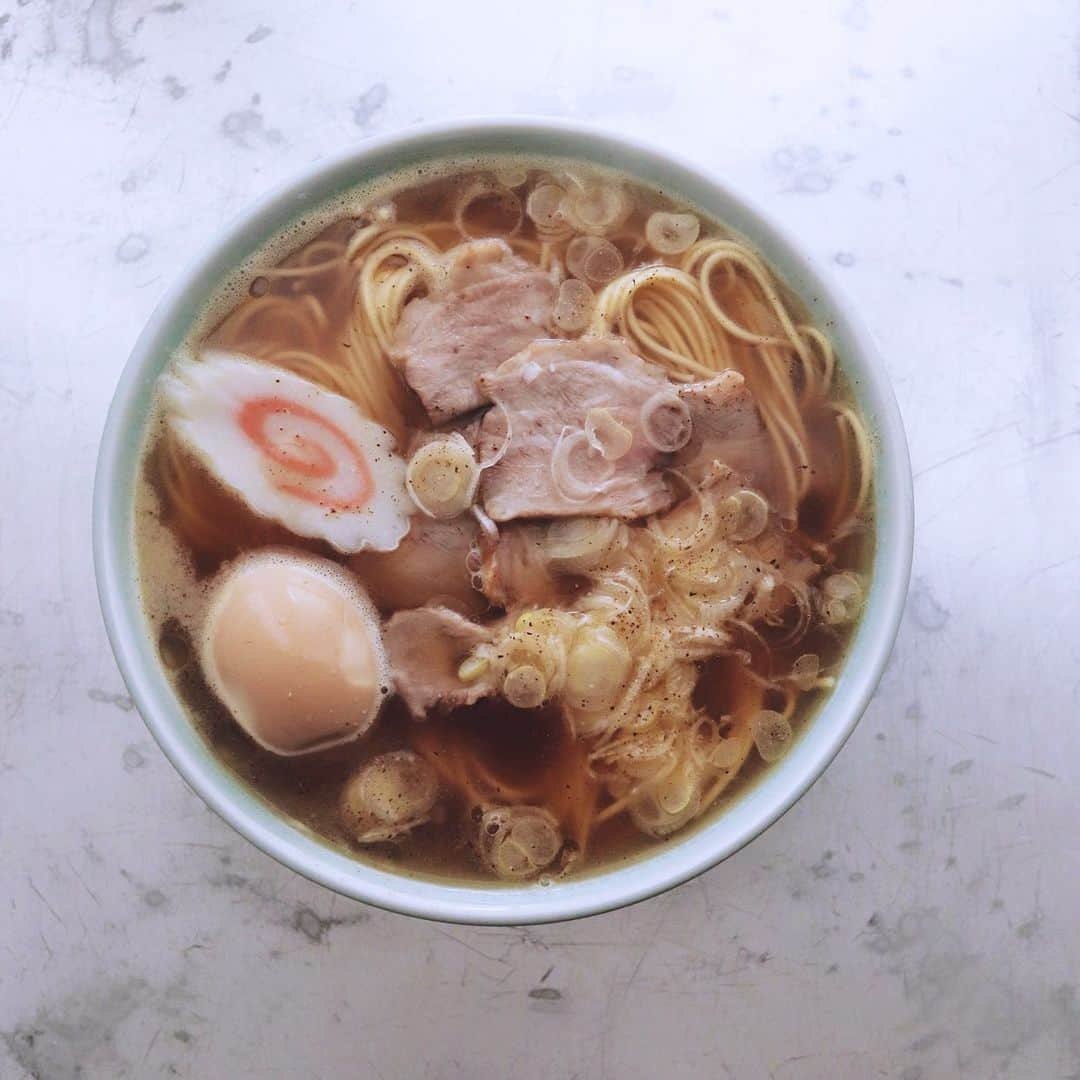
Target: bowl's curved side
{"points": [[779, 788]]}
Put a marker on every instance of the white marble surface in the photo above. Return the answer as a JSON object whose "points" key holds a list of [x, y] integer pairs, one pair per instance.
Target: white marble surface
{"points": [[915, 916]]}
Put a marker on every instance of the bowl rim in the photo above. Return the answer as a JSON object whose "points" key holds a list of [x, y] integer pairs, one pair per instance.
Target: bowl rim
{"points": [[607, 889]]}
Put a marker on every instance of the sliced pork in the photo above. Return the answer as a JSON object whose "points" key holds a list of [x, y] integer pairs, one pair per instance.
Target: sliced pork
{"points": [[726, 430], [491, 305], [426, 647], [542, 563], [573, 412], [429, 566], [517, 569]]}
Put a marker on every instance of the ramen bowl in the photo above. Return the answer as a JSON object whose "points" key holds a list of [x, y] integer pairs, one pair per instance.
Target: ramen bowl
{"points": [[607, 887]]}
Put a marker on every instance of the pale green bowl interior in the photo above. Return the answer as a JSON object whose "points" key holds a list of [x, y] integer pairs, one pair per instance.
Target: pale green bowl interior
{"points": [[295, 846]]}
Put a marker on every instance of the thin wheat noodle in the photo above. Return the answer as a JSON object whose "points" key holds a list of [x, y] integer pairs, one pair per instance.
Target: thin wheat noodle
{"points": [[308, 268], [232, 329]]}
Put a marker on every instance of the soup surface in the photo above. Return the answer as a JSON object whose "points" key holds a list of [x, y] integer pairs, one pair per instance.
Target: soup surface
{"points": [[503, 520]]}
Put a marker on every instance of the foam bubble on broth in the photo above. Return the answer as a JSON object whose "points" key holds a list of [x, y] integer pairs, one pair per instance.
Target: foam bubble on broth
{"points": [[168, 584]]}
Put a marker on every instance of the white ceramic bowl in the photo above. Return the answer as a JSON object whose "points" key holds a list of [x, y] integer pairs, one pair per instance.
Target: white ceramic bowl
{"points": [[672, 862]]}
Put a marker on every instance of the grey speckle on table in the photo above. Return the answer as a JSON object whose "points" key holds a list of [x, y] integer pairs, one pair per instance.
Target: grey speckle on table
{"points": [[915, 916]]}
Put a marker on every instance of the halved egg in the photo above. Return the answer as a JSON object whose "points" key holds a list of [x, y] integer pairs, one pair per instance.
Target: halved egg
{"points": [[291, 450], [292, 646]]}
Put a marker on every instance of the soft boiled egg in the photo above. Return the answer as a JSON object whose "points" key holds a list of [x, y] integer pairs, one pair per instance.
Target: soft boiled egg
{"points": [[292, 646], [291, 450]]}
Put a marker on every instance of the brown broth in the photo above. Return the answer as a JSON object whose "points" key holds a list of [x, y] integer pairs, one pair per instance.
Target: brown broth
{"points": [[526, 749]]}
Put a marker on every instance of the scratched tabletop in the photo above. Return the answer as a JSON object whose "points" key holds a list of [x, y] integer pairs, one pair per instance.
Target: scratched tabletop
{"points": [[916, 914]]}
